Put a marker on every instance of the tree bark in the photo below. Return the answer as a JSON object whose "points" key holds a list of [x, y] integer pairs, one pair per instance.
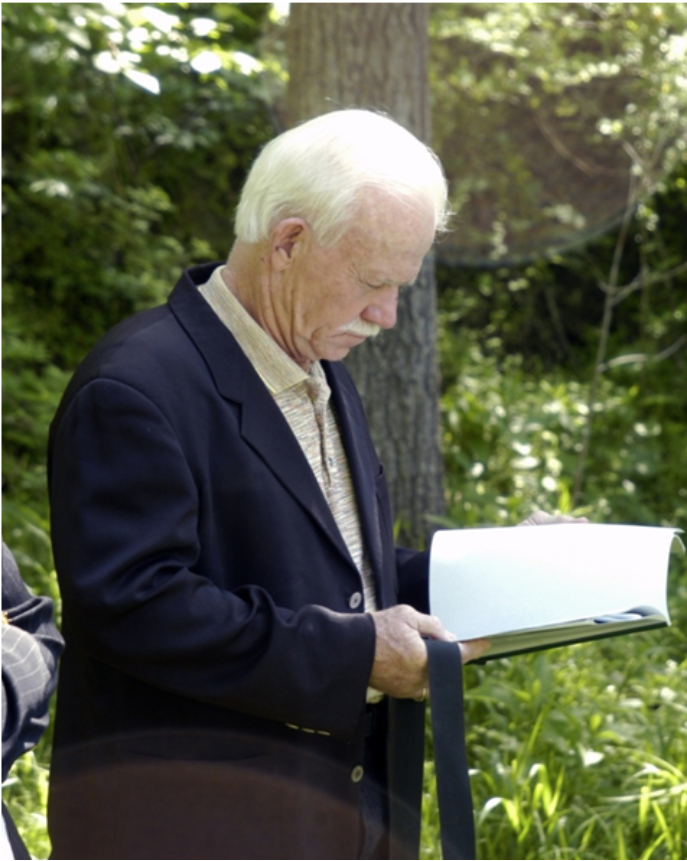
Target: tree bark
{"points": [[374, 56]]}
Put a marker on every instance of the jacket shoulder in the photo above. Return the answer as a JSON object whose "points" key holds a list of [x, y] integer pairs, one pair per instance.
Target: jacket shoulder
{"points": [[152, 345]]}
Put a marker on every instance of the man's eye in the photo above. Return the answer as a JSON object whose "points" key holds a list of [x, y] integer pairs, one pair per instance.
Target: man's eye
{"points": [[401, 287]]}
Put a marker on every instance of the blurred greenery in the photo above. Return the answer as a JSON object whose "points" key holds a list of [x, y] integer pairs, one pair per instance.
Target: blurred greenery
{"points": [[128, 131], [542, 109]]}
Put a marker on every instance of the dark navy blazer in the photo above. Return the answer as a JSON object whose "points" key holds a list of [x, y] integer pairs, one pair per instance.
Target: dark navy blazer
{"points": [[212, 692]]}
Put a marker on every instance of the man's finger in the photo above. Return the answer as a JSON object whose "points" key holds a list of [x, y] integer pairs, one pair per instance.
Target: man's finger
{"points": [[471, 650], [432, 626]]}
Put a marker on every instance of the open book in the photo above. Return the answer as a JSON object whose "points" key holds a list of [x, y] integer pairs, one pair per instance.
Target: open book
{"points": [[534, 587]]}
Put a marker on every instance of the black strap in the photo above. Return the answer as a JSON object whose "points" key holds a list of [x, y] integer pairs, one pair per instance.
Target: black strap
{"points": [[407, 757], [450, 759], [406, 761]]}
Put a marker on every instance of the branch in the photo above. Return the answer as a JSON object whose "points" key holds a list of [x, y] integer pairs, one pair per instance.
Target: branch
{"points": [[644, 358], [582, 164], [611, 288], [647, 280], [611, 291], [640, 280]]}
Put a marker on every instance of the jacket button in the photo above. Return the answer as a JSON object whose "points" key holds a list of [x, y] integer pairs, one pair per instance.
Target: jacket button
{"points": [[357, 774], [355, 600]]}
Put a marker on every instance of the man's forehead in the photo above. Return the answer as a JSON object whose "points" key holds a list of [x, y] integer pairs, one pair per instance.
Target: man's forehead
{"points": [[376, 206], [400, 237]]}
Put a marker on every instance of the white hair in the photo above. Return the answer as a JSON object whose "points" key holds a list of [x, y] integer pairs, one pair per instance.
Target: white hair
{"points": [[317, 171]]}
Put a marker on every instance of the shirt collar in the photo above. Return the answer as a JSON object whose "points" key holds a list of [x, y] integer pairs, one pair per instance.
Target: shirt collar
{"points": [[277, 370]]}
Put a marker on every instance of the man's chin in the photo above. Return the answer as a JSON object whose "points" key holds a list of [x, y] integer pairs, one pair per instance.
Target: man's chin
{"points": [[340, 351], [337, 352]]}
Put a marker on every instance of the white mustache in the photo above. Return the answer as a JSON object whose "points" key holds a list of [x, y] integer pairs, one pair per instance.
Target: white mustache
{"points": [[362, 328]]}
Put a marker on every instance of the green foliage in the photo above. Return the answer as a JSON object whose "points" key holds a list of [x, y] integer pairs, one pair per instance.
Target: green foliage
{"points": [[578, 753], [512, 441], [124, 163], [581, 752], [541, 111], [26, 794], [519, 347]]}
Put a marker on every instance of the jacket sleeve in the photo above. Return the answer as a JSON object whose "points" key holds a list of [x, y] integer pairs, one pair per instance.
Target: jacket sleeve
{"points": [[31, 646], [126, 507]]}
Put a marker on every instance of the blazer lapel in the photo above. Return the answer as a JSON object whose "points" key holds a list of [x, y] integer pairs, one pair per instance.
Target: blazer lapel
{"points": [[266, 430], [362, 460], [263, 427]]}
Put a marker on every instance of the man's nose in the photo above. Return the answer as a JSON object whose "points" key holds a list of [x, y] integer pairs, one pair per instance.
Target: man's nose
{"points": [[382, 310]]}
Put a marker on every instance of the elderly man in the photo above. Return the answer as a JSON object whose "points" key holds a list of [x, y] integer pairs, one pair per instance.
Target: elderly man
{"points": [[237, 618]]}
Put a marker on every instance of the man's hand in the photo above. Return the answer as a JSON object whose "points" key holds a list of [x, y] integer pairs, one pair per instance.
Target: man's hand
{"points": [[541, 518], [400, 664]]}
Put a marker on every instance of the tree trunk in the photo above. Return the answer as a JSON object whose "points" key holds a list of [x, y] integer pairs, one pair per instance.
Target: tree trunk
{"points": [[374, 56]]}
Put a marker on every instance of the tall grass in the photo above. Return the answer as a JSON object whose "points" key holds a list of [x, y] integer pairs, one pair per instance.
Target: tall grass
{"points": [[578, 753]]}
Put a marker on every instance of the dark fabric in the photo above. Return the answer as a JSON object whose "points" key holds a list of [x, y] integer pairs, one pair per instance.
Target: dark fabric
{"points": [[450, 760], [407, 748], [374, 812], [17, 845], [206, 595], [31, 646]]}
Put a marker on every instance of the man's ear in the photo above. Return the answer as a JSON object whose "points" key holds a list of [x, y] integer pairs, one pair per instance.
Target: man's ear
{"points": [[286, 241]]}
